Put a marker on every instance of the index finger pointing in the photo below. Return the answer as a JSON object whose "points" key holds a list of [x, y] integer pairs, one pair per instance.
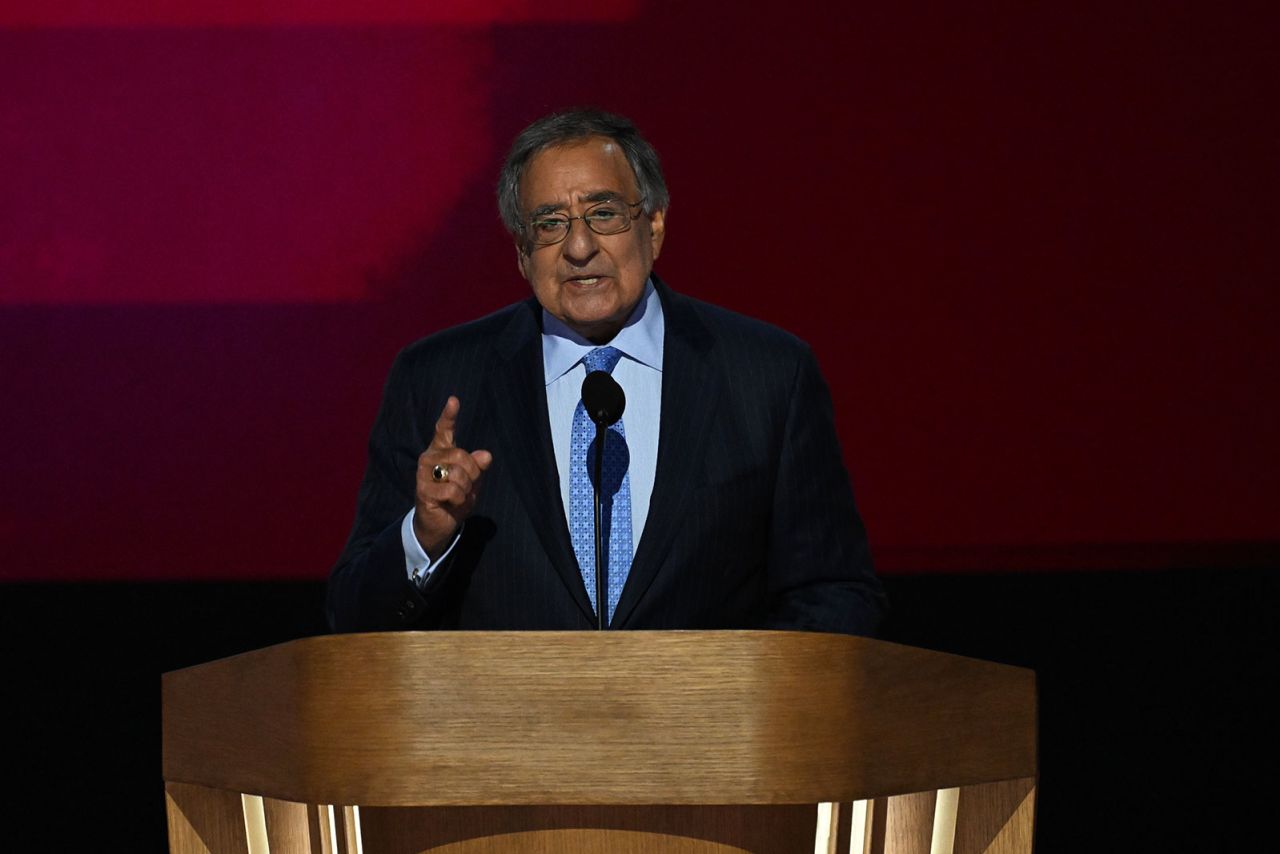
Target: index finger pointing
{"points": [[444, 424]]}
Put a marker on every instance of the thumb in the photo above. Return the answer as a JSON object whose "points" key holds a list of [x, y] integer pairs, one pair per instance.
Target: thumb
{"points": [[484, 459]]}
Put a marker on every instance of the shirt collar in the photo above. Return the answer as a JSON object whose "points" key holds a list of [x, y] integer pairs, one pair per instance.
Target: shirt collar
{"points": [[640, 338]]}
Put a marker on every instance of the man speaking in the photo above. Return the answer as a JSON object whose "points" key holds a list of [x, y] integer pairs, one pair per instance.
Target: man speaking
{"points": [[724, 500]]}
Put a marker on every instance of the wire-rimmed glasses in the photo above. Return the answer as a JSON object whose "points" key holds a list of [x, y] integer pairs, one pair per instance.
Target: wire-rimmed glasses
{"points": [[612, 216]]}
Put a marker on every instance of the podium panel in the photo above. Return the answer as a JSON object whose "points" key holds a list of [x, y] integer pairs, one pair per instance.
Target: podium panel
{"points": [[618, 741]]}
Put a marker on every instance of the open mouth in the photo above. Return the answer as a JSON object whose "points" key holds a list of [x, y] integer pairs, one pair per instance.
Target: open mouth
{"points": [[586, 281]]}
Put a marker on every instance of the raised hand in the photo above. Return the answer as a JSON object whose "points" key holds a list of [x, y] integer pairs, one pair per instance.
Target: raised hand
{"points": [[448, 482]]}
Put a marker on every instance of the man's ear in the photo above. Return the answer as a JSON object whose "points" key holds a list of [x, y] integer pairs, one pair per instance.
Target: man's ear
{"points": [[657, 231], [522, 259]]}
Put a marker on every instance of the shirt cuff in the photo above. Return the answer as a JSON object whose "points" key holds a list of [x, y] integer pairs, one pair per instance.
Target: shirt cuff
{"points": [[417, 564]]}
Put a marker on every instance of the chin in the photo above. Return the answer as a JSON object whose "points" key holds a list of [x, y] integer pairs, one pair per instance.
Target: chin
{"points": [[595, 327], [595, 318]]}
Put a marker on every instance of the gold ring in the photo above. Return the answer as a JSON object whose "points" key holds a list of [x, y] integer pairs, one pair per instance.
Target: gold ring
{"points": [[440, 474]]}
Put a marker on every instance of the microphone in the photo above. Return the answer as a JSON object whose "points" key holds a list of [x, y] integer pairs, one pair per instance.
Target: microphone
{"points": [[603, 398], [604, 401]]}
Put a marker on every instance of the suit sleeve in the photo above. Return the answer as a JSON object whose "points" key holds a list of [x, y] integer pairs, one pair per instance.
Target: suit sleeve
{"points": [[369, 589], [820, 571]]}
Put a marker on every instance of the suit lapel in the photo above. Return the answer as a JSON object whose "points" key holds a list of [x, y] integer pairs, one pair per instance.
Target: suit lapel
{"points": [[520, 408], [691, 387]]}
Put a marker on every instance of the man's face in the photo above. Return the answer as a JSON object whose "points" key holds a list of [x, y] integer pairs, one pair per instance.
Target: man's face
{"points": [[590, 281]]}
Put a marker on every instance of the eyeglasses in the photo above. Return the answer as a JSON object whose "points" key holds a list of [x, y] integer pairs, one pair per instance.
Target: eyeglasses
{"points": [[612, 216]]}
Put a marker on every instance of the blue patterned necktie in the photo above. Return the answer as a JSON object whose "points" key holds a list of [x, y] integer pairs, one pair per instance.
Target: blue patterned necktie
{"points": [[615, 493]]}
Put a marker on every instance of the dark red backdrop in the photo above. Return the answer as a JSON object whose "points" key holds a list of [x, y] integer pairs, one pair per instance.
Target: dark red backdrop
{"points": [[1033, 246]]}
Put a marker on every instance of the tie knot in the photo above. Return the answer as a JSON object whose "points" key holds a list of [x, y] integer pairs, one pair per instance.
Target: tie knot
{"points": [[602, 359]]}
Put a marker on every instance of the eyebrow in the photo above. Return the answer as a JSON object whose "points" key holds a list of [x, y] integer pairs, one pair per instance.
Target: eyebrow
{"points": [[590, 198]]}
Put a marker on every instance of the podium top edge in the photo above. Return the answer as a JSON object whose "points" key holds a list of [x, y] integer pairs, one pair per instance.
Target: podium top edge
{"points": [[413, 641]]}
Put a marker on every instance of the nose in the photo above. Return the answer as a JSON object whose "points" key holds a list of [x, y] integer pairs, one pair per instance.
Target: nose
{"points": [[579, 244]]}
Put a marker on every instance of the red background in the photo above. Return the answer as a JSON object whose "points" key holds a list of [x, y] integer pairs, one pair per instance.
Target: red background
{"points": [[1034, 247]]}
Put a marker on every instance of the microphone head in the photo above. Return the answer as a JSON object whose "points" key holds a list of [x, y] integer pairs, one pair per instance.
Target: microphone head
{"points": [[603, 398]]}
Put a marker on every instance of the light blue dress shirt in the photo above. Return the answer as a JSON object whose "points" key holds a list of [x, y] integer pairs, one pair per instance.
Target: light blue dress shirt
{"points": [[639, 372]]}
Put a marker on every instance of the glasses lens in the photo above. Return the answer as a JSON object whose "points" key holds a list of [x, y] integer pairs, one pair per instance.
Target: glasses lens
{"points": [[608, 217], [548, 229]]}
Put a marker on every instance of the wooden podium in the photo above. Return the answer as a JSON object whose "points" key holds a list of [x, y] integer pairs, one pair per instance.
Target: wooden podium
{"points": [[463, 742]]}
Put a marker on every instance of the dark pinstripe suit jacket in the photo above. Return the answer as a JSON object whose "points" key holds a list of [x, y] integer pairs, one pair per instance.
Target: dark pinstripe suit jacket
{"points": [[752, 522]]}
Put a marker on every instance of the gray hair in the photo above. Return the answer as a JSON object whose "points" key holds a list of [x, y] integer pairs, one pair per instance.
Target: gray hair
{"points": [[571, 126]]}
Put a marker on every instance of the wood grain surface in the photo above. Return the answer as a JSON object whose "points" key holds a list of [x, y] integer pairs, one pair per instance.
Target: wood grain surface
{"points": [[288, 828], [204, 821], [471, 718], [762, 829], [909, 823], [995, 817]]}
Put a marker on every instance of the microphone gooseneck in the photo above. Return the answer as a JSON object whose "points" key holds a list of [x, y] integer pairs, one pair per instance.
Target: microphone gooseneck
{"points": [[604, 401]]}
